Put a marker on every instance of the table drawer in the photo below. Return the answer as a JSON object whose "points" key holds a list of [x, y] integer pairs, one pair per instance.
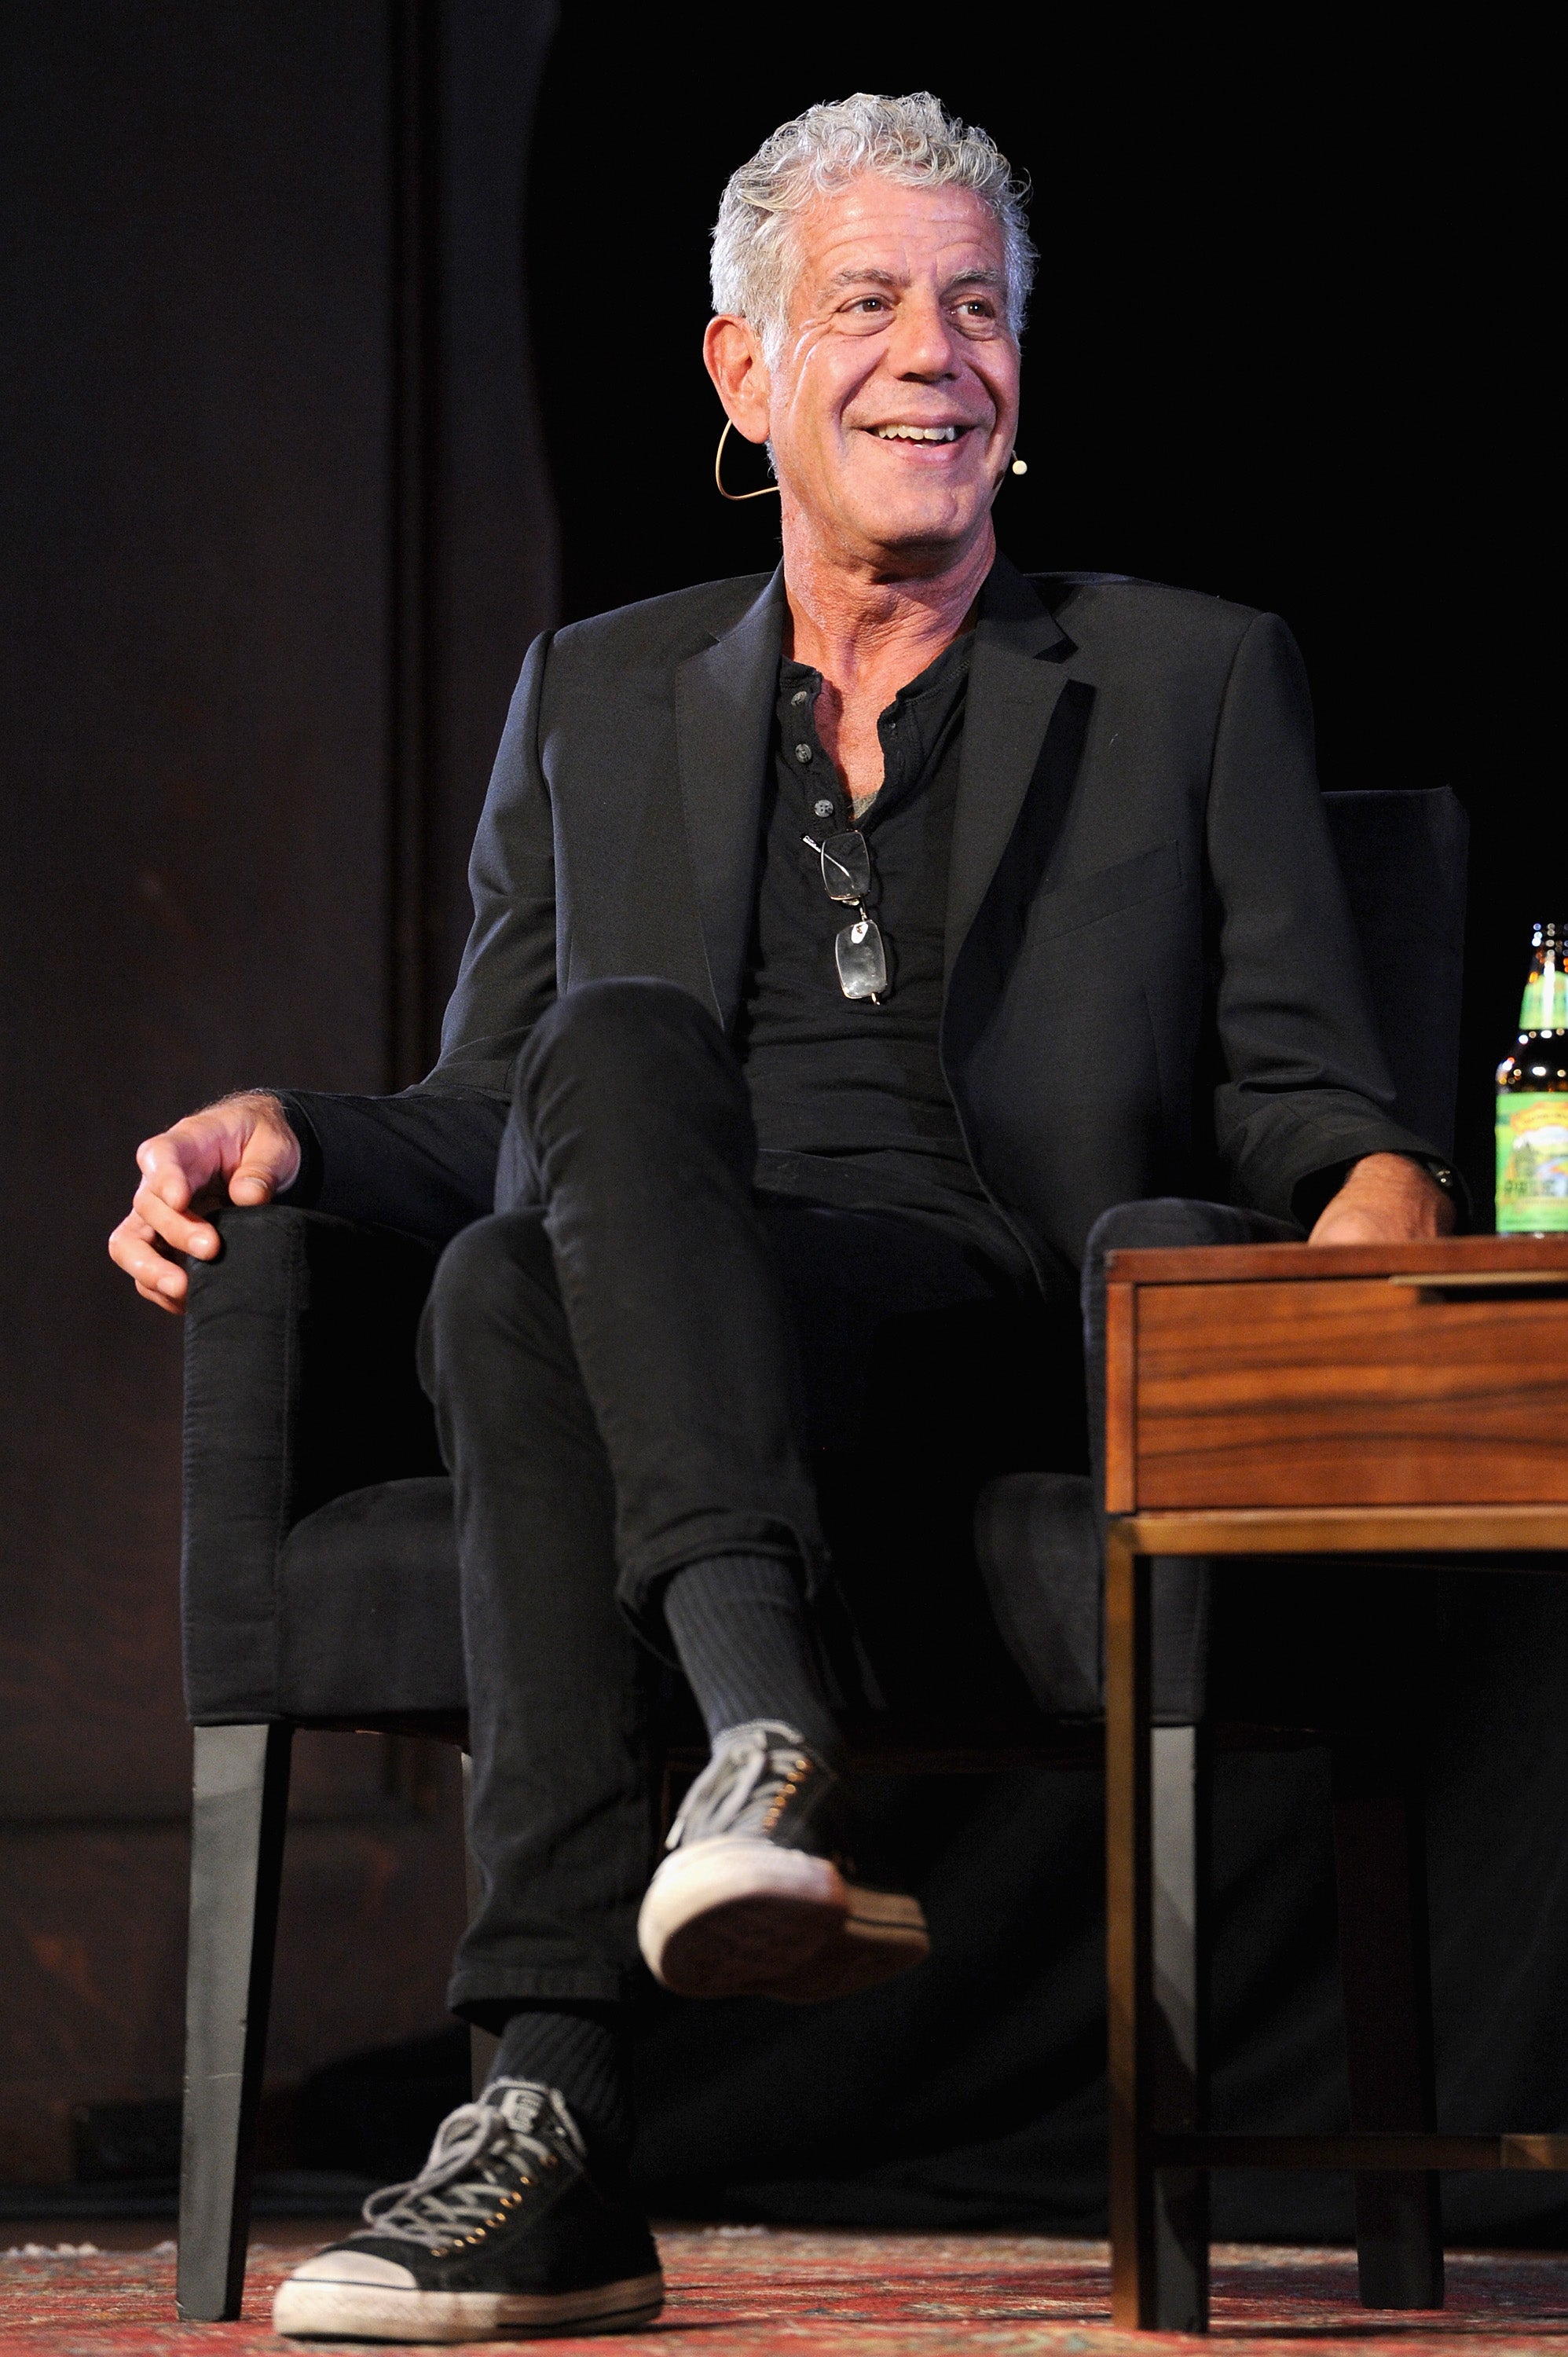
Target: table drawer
{"points": [[1374, 1390]]}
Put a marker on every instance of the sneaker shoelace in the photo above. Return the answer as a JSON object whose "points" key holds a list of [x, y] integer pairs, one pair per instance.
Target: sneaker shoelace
{"points": [[480, 2154], [744, 1787]]}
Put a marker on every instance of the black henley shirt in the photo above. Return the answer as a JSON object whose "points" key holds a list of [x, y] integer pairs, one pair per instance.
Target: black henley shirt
{"points": [[850, 1105]]}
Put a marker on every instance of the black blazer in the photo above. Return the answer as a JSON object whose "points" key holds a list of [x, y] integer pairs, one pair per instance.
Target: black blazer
{"points": [[1153, 987]]}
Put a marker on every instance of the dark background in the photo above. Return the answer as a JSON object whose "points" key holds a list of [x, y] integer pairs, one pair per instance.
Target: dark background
{"points": [[324, 391]]}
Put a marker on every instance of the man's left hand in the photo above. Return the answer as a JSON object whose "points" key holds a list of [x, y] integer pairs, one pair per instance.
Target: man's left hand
{"points": [[1387, 1199]]}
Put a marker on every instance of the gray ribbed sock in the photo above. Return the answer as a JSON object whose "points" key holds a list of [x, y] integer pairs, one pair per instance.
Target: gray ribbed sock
{"points": [[576, 2048], [741, 1630]]}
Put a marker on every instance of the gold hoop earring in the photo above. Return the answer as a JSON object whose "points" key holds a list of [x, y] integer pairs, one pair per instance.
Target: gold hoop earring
{"points": [[769, 490]]}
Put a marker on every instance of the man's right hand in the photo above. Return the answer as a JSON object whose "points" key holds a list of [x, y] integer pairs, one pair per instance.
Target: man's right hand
{"points": [[241, 1147]]}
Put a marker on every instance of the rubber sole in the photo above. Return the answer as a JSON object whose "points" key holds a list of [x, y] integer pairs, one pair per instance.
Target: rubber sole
{"points": [[740, 1918], [350, 2311]]}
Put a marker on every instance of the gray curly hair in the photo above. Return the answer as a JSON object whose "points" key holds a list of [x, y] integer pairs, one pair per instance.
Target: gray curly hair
{"points": [[912, 139]]}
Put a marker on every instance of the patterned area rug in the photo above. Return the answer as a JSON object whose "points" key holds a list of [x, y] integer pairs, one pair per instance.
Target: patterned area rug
{"points": [[741, 2291]]}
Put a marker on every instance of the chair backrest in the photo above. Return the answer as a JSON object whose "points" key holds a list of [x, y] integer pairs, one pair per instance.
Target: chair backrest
{"points": [[1404, 857]]}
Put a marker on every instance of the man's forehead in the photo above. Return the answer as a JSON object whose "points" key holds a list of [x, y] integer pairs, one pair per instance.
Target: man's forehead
{"points": [[890, 230]]}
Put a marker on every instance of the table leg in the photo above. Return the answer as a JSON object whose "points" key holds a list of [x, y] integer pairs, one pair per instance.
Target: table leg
{"points": [[1128, 1946], [1177, 2062], [1155, 1807]]}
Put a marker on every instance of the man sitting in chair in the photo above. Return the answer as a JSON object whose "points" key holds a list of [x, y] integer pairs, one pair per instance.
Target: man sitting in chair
{"points": [[845, 943]]}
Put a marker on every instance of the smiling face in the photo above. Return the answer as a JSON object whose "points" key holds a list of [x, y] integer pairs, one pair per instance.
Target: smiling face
{"points": [[892, 404]]}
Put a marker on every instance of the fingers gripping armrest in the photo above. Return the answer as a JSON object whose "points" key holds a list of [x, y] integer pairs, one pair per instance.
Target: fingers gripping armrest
{"points": [[299, 1385]]}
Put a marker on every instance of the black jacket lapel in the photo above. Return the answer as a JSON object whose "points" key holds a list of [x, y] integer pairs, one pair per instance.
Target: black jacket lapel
{"points": [[1024, 720], [723, 713]]}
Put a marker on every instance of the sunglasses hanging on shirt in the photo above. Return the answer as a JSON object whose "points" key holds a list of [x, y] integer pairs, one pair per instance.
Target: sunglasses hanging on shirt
{"points": [[859, 950]]}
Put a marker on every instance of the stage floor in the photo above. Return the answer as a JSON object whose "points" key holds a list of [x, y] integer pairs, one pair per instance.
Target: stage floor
{"points": [[740, 2291]]}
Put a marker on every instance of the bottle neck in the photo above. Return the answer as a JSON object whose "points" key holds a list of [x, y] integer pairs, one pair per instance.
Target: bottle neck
{"points": [[1545, 1004]]}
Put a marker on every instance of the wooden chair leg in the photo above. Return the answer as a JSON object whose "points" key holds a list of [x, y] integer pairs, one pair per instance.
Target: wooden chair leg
{"points": [[240, 1800], [481, 2045], [1385, 1963]]}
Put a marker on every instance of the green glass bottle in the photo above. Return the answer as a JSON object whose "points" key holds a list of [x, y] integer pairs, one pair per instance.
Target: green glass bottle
{"points": [[1532, 1100]]}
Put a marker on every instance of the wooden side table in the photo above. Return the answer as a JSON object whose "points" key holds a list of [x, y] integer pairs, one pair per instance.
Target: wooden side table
{"points": [[1272, 1400]]}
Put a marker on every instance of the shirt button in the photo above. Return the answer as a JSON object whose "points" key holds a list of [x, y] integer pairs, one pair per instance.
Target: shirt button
{"points": [[802, 754], [822, 809], [801, 695]]}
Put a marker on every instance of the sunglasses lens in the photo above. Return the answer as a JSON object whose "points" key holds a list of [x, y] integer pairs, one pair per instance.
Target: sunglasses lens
{"points": [[862, 960], [847, 867]]}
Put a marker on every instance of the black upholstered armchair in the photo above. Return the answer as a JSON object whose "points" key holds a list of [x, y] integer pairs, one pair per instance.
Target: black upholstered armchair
{"points": [[320, 1590]]}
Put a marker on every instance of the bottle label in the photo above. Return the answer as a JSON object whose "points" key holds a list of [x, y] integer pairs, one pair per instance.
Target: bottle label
{"points": [[1533, 1163]]}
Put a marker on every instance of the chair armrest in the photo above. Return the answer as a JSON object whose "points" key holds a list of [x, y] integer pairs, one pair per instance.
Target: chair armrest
{"points": [[300, 1385]]}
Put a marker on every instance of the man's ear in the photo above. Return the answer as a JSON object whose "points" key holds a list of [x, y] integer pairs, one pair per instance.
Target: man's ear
{"points": [[733, 357]]}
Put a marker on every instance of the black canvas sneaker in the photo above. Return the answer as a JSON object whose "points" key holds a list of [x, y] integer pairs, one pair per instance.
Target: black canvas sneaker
{"points": [[503, 2234], [758, 1896]]}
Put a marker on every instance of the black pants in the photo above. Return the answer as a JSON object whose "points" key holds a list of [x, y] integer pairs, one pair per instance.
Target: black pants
{"points": [[639, 1362]]}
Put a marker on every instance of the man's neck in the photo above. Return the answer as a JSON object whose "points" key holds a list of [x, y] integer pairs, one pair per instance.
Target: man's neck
{"points": [[867, 632]]}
